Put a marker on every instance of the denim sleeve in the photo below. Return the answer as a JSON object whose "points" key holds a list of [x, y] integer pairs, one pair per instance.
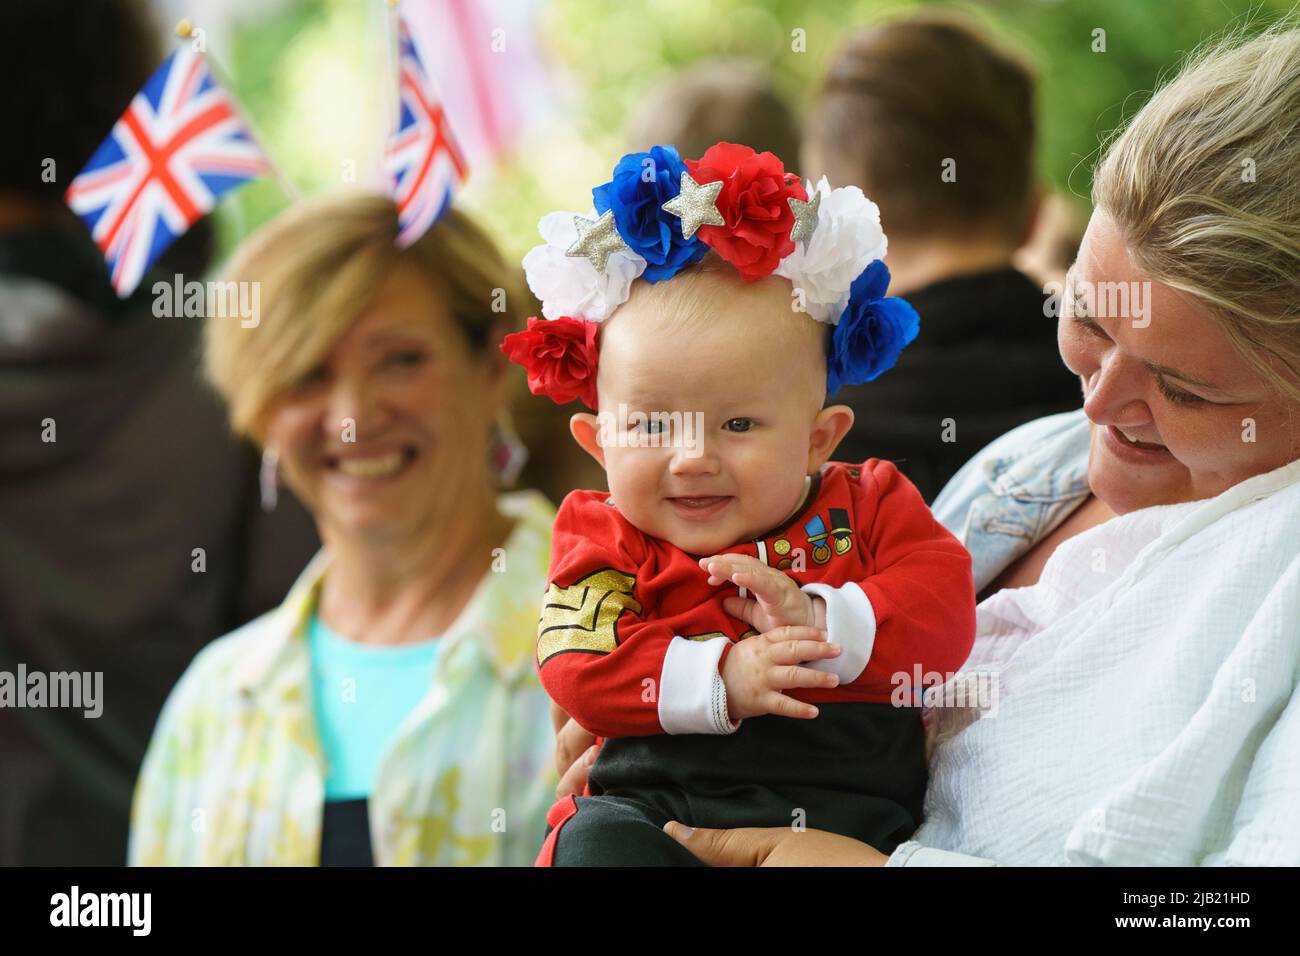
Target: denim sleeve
{"points": [[952, 505]]}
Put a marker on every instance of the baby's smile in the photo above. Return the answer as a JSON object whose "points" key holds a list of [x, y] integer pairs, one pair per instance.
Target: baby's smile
{"points": [[700, 508], [706, 508]]}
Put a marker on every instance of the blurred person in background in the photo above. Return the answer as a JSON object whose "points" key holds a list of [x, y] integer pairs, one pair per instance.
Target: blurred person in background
{"points": [[937, 123], [389, 711], [1058, 230], [712, 101], [130, 526]]}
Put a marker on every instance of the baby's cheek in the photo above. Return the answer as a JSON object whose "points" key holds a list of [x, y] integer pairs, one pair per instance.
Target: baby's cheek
{"points": [[621, 469]]}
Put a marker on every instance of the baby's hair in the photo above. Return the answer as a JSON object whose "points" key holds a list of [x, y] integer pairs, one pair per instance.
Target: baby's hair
{"points": [[690, 300]]}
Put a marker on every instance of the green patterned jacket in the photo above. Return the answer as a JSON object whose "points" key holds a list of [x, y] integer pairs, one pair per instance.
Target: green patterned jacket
{"points": [[235, 771]]}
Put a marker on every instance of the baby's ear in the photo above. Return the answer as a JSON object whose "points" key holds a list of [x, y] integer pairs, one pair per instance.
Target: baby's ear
{"points": [[585, 428], [829, 428]]}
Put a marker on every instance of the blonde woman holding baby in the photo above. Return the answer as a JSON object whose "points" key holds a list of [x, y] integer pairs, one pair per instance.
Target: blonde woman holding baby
{"points": [[1139, 560]]}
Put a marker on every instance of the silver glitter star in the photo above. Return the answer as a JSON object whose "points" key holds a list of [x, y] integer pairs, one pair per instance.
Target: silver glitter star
{"points": [[695, 205], [805, 219], [597, 238]]}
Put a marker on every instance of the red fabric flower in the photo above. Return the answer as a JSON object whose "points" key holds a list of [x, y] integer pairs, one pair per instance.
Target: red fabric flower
{"points": [[754, 202], [560, 356]]}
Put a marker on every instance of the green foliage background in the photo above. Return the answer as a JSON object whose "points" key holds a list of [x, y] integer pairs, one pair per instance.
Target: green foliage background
{"points": [[316, 62]]}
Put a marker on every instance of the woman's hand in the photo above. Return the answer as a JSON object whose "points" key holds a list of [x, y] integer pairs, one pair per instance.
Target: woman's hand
{"points": [[774, 846], [574, 753]]}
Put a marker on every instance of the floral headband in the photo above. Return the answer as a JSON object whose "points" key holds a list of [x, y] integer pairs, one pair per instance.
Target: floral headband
{"points": [[659, 215]]}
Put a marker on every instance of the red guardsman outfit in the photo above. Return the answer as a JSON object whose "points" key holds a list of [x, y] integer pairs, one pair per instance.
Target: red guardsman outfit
{"points": [[632, 639]]}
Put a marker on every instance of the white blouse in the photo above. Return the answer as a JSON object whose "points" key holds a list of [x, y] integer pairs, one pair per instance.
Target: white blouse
{"points": [[1140, 701]]}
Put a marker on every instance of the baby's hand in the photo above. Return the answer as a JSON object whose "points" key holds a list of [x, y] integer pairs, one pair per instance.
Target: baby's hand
{"points": [[760, 667], [774, 601]]}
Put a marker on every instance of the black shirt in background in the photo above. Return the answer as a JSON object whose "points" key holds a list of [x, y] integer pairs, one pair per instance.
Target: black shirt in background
{"points": [[986, 357]]}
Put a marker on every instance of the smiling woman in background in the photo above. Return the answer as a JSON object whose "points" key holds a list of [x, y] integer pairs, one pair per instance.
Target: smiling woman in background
{"points": [[389, 710]]}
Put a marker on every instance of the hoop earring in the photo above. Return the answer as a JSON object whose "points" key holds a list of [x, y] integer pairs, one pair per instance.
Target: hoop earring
{"points": [[509, 453], [268, 479]]}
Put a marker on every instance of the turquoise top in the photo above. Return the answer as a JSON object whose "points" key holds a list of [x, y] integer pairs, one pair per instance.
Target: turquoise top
{"points": [[361, 693]]}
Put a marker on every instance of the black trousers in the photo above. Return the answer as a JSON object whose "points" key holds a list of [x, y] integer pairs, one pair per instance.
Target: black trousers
{"points": [[855, 769]]}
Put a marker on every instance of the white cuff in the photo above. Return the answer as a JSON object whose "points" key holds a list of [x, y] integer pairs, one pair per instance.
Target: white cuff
{"points": [[912, 853], [692, 696], [850, 623]]}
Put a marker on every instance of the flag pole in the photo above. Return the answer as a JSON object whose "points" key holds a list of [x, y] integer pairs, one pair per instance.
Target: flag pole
{"points": [[184, 31], [392, 28], [391, 97]]}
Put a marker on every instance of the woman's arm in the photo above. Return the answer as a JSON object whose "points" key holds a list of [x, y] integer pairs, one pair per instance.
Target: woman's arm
{"points": [[774, 846], [575, 752], [782, 846]]}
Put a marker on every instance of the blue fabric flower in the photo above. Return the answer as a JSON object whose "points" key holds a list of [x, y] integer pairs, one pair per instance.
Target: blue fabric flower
{"points": [[636, 198], [872, 331]]}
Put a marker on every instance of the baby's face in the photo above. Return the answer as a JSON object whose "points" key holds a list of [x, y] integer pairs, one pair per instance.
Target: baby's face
{"points": [[707, 423]]}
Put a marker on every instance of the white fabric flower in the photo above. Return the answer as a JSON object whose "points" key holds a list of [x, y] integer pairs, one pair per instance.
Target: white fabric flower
{"points": [[570, 285], [848, 238]]}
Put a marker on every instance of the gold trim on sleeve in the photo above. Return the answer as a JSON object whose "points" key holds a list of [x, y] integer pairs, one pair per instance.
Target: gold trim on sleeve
{"points": [[583, 616]]}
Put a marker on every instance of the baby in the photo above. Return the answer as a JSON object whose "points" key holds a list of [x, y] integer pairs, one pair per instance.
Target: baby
{"points": [[731, 616]]}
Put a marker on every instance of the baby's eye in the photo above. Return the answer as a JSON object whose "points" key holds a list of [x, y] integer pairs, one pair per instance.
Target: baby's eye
{"points": [[738, 424], [651, 426]]}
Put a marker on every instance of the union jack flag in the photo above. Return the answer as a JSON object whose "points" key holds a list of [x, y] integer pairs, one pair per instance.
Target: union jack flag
{"points": [[423, 161], [179, 145]]}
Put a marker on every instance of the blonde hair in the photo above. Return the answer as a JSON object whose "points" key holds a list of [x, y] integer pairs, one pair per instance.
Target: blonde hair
{"points": [[1205, 186], [319, 265]]}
